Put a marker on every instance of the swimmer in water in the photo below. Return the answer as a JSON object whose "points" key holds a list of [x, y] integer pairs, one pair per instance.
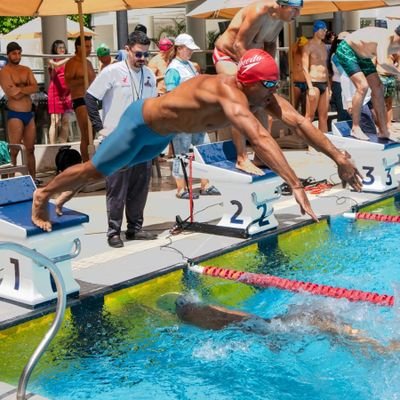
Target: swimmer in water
{"points": [[191, 310]]}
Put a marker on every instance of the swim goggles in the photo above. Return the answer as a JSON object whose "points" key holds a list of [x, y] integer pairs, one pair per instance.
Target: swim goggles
{"points": [[271, 84]]}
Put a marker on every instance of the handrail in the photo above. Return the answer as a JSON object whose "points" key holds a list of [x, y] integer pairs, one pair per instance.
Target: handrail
{"points": [[46, 262]]}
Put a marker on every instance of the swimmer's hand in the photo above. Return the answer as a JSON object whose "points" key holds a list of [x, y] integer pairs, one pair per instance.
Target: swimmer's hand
{"points": [[303, 202], [348, 172]]}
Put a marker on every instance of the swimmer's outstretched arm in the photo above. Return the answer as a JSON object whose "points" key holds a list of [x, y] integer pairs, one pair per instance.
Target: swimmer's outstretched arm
{"points": [[327, 323], [214, 317], [282, 109], [70, 180]]}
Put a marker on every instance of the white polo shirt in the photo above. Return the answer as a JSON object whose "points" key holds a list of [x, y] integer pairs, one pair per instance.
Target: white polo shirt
{"points": [[118, 86]]}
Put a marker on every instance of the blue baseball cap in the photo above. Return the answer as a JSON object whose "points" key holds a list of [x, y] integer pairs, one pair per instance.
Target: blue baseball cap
{"points": [[319, 25], [290, 3]]}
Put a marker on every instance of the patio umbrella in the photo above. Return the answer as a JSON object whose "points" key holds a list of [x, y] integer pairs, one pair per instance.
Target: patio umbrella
{"points": [[226, 9], [33, 30], [64, 7]]}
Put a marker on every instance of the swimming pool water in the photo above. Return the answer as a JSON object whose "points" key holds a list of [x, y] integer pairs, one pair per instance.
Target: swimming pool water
{"points": [[126, 347]]}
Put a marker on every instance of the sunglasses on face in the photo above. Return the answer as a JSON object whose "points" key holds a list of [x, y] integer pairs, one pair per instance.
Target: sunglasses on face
{"points": [[270, 84], [140, 54]]}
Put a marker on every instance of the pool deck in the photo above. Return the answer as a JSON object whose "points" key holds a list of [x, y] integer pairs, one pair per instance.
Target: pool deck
{"points": [[100, 269]]}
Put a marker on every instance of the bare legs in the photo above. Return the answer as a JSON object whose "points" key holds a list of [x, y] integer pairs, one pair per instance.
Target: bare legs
{"points": [[58, 128], [69, 182], [318, 102], [361, 84], [83, 122], [18, 133], [242, 162]]}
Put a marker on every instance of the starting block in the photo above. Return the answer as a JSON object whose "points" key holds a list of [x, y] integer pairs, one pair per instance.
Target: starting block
{"points": [[23, 281], [247, 199], [376, 159]]}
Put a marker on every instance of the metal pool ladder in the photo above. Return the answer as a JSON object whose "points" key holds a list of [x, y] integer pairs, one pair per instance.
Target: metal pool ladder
{"points": [[50, 264]]}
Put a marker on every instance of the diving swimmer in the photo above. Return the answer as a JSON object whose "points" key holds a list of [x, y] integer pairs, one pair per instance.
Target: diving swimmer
{"points": [[206, 102]]}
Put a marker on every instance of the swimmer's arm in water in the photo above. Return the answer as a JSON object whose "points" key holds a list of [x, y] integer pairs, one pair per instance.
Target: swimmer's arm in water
{"points": [[217, 318], [209, 317], [326, 322]]}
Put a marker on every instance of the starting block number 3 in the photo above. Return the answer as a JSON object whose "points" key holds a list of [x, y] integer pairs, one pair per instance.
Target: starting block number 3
{"points": [[369, 178]]}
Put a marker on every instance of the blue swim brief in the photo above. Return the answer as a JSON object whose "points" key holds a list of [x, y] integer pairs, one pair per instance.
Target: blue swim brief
{"points": [[131, 142], [24, 116]]}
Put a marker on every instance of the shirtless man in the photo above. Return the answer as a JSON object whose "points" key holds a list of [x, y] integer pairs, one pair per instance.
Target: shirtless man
{"points": [[298, 79], [18, 83], [159, 63], [75, 81], [206, 102], [315, 70], [256, 26], [192, 311], [354, 55]]}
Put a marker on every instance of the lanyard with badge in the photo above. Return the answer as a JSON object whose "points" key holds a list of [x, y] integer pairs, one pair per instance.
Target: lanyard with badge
{"points": [[139, 93]]}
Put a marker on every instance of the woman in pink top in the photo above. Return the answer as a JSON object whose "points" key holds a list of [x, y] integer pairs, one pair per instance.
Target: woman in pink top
{"points": [[59, 98]]}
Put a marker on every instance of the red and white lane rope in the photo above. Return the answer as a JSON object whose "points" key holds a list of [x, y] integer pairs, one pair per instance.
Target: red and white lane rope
{"points": [[373, 217], [261, 280]]}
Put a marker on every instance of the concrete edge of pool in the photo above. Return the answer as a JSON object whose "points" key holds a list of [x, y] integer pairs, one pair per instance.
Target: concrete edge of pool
{"points": [[101, 270]]}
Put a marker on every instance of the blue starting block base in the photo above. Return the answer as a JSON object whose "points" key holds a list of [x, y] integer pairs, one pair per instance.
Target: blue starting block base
{"points": [[376, 159], [247, 199], [24, 282]]}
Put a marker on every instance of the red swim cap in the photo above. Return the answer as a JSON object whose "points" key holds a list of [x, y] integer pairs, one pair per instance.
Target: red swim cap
{"points": [[257, 65]]}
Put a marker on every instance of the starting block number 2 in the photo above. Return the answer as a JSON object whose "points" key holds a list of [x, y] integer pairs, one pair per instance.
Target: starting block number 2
{"points": [[262, 221]]}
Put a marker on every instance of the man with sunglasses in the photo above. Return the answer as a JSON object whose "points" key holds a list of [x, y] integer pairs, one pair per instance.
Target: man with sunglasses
{"points": [[118, 86], [256, 26], [206, 102]]}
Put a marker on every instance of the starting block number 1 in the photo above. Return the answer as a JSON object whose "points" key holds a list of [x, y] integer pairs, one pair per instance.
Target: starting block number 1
{"points": [[17, 275]]}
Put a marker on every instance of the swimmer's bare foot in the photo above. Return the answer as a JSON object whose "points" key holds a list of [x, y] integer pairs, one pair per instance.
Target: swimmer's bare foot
{"points": [[62, 199], [249, 167], [40, 212], [359, 134]]}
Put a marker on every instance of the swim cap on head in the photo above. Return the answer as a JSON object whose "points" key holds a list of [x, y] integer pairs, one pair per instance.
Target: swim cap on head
{"points": [[397, 30], [12, 46], [302, 41], [257, 65], [319, 25], [103, 50], [290, 3], [165, 44]]}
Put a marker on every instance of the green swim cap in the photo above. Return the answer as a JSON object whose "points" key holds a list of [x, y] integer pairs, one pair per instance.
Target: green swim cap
{"points": [[103, 50]]}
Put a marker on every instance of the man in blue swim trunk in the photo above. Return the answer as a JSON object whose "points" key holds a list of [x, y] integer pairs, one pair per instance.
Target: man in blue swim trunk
{"points": [[354, 54], [18, 83], [206, 102]]}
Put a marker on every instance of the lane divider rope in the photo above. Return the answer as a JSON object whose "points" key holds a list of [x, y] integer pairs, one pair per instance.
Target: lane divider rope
{"points": [[262, 280], [373, 217]]}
